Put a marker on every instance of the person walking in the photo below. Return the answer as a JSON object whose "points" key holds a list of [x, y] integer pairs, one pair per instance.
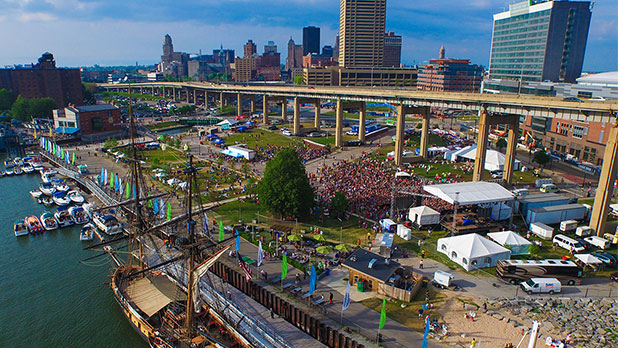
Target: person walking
{"points": [[422, 254], [473, 343], [330, 298], [272, 313], [421, 264]]}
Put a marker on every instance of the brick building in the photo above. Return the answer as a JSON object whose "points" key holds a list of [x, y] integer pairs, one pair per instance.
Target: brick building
{"points": [[92, 122], [450, 75], [43, 79]]}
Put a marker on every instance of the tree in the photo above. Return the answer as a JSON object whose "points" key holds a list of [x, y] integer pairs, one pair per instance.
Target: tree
{"points": [[299, 80], [285, 190], [501, 144], [7, 97], [25, 109], [88, 90], [339, 203], [110, 143], [21, 109], [541, 157]]}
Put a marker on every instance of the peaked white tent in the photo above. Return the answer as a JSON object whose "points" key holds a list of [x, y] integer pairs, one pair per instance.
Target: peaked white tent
{"points": [[494, 160], [518, 244], [588, 259], [472, 251], [424, 216], [468, 193]]}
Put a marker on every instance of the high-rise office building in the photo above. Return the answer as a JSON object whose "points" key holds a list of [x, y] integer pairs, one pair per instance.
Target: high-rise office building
{"points": [[361, 33], [540, 40], [311, 40], [392, 50], [327, 51], [295, 55], [249, 49], [270, 47]]}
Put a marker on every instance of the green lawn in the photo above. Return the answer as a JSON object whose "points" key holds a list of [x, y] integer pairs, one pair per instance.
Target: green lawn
{"points": [[379, 108], [227, 110], [235, 211], [467, 117], [256, 138]]}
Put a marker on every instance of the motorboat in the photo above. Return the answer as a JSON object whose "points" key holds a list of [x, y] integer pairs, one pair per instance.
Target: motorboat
{"points": [[33, 224], [61, 186], [75, 197], [2, 173], [36, 194], [28, 168], [38, 166], [87, 232], [47, 201], [20, 229], [79, 215], [61, 199], [48, 176], [48, 221], [108, 224], [47, 188], [89, 208], [18, 171], [63, 217], [9, 171]]}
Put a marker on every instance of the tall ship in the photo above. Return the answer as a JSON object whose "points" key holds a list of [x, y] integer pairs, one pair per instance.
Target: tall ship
{"points": [[167, 295]]}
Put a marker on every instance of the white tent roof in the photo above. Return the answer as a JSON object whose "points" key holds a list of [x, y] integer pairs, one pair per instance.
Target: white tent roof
{"points": [[228, 122], [493, 158], [508, 238], [468, 193], [587, 258], [402, 174], [424, 210], [472, 245]]}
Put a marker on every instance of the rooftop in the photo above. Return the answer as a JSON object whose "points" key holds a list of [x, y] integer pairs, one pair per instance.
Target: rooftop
{"points": [[359, 261], [91, 108], [558, 208]]}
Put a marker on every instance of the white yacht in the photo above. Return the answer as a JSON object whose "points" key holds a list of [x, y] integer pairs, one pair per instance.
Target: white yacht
{"points": [[36, 193], [87, 232], [108, 224], [20, 228], [75, 197], [61, 199], [48, 221], [63, 217], [47, 188], [61, 186], [79, 215]]}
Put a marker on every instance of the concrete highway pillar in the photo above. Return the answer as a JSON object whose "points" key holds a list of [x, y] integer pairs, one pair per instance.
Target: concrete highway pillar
{"points": [[205, 99], [425, 131], [174, 92], [339, 124], [401, 121], [481, 147], [361, 122], [600, 209], [221, 100], [238, 104], [252, 107], [265, 109], [511, 150], [163, 92], [284, 110], [316, 120], [296, 116]]}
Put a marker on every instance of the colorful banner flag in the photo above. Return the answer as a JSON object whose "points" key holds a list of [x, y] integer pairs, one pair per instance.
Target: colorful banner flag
{"points": [[346, 298], [424, 345], [205, 228], [111, 180], [73, 160], [128, 191], [237, 242], [383, 314], [221, 231], [260, 256], [161, 209], [169, 211], [246, 270], [284, 267], [135, 193], [312, 280], [156, 206]]}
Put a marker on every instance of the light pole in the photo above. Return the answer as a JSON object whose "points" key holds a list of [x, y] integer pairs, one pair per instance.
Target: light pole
{"points": [[521, 77]]}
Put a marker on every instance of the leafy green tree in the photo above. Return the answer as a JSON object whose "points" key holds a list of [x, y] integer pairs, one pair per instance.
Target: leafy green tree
{"points": [[110, 143], [339, 203], [541, 157], [21, 109], [285, 190], [88, 91], [299, 80], [501, 143], [42, 107], [7, 97]]}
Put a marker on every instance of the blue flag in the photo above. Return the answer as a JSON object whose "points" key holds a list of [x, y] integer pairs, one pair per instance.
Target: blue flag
{"points": [[424, 345], [312, 280], [237, 242], [134, 193], [156, 206], [260, 255], [205, 228], [346, 298], [116, 183], [102, 180]]}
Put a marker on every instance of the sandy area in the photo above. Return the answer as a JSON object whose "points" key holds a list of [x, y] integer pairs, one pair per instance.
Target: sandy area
{"points": [[487, 330]]}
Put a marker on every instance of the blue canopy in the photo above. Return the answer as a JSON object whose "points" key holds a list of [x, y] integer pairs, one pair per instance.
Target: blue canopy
{"points": [[249, 123], [232, 153], [241, 129], [218, 141], [66, 130]]}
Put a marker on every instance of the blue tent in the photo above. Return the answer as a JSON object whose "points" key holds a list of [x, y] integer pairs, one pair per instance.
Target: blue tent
{"points": [[218, 141], [241, 129], [249, 123]]}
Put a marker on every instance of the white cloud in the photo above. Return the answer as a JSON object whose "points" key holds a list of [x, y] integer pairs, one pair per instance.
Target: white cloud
{"points": [[35, 17]]}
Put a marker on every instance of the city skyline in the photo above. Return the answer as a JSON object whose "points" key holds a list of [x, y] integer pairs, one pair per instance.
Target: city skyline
{"points": [[114, 33]]}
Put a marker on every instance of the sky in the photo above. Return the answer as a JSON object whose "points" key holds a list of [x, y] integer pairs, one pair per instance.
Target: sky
{"points": [[121, 32]]}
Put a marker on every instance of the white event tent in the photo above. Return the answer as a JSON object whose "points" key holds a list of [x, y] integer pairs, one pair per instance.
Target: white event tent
{"points": [[518, 244], [424, 216], [468, 193], [472, 251], [494, 160]]}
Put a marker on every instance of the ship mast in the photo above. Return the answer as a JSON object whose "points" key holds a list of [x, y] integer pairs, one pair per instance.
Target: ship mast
{"points": [[136, 172], [191, 226]]}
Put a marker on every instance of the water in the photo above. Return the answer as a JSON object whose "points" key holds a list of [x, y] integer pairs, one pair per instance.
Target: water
{"points": [[47, 297], [175, 131]]}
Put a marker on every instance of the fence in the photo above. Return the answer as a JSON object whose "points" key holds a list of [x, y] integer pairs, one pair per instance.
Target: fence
{"points": [[401, 294]]}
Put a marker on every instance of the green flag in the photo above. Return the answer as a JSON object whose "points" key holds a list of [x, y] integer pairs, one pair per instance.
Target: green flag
{"points": [[128, 190], [73, 159], [150, 203], [383, 314], [111, 180], [221, 231], [169, 211], [284, 267]]}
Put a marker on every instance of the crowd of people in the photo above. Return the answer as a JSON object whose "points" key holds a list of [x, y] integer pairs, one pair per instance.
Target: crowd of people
{"points": [[368, 185], [305, 153]]}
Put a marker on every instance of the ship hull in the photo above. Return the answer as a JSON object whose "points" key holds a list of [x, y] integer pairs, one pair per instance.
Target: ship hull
{"points": [[138, 323]]}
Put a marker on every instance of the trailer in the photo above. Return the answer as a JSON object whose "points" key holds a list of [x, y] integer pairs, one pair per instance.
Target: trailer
{"points": [[541, 230], [539, 200], [557, 213]]}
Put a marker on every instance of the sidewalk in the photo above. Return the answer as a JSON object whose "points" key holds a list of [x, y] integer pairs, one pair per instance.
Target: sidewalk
{"points": [[357, 316]]}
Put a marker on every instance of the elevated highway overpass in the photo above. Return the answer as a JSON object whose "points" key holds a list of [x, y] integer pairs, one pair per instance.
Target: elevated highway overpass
{"points": [[494, 109]]}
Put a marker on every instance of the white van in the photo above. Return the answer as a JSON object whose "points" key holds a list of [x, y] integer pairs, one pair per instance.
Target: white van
{"points": [[549, 188], [541, 285], [568, 225], [583, 231], [568, 243], [598, 242]]}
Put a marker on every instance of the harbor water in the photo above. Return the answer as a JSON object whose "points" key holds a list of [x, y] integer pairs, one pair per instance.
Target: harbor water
{"points": [[48, 298]]}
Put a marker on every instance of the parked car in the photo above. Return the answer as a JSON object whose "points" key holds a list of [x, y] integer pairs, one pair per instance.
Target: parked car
{"points": [[614, 277], [287, 133], [273, 127], [496, 174], [606, 260], [572, 99], [315, 134]]}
